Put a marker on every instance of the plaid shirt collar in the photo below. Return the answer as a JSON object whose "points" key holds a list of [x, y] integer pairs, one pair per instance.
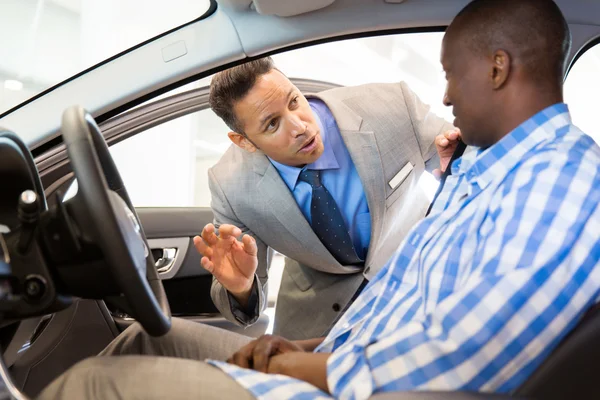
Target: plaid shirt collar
{"points": [[483, 166]]}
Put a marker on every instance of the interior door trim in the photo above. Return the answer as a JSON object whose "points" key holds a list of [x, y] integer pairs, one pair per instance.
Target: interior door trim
{"points": [[180, 244]]}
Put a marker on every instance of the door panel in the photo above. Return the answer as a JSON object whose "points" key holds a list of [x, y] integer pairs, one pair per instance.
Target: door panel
{"points": [[186, 283]]}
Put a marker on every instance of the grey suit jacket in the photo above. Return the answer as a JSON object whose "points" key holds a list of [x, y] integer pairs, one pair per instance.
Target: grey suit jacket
{"points": [[390, 135]]}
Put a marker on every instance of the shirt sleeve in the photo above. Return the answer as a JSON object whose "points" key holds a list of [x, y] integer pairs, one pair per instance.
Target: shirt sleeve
{"points": [[535, 273], [248, 315], [224, 214]]}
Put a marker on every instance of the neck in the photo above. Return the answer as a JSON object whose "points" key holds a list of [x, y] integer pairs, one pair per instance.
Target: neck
{"points": [[522, 105]]}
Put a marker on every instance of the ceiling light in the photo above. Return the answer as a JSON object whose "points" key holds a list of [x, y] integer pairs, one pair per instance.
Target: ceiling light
{"points": [[12, 84]]}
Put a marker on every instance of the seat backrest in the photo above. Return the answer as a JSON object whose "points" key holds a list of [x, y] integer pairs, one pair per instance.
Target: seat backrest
{"points": [[571, 370]]}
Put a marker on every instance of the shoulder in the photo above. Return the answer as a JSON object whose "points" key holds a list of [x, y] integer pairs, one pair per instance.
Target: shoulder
{"points": [[570, 154], [233, 165], [564, 171]]}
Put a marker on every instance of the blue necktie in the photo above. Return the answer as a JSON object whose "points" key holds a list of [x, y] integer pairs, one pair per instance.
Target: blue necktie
{"points": [[327, 221]]}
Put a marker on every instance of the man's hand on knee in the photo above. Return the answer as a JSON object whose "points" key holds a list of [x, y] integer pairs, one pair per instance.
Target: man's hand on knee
{"points": [[256, 354]]}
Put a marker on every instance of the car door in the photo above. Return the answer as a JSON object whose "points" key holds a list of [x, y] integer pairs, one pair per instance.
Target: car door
{"points": [[163, 150]]}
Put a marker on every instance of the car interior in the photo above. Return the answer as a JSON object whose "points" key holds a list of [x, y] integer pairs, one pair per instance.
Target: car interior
{"points": [[80, 261]]}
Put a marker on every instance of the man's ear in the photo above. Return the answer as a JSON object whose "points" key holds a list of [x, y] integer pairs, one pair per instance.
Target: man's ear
{"points": [[501, 69], [242, 141]]}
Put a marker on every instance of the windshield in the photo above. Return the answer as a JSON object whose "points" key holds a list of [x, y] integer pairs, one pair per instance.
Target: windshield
{"points": [[44, 42]]}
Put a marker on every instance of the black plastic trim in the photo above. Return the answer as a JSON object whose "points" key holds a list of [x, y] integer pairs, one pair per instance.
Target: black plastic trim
{"points": [[581, 52], [211, 9]]}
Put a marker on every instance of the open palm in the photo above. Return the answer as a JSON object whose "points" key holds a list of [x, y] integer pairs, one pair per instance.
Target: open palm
{"points": [[232, 262]]}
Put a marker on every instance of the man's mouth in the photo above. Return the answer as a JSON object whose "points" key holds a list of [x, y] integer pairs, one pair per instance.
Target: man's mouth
{"points": [[309, 146]]}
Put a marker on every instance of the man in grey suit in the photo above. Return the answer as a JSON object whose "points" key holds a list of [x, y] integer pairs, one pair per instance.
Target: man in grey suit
{"points": [[329, 181]]}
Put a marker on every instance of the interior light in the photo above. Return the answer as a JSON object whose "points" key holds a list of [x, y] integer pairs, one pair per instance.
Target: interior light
{"points": [[12, 84]]}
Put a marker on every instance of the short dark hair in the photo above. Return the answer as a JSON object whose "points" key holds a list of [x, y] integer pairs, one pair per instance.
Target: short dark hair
{"points": [[229, 86], [534, 32]]}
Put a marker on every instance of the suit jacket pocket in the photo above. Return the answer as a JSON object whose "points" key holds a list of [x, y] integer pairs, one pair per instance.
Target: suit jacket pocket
{"points": [[301, 275], [399, 190]]}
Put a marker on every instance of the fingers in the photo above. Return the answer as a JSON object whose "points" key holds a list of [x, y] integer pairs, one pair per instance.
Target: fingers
{"points": [[243, 357], [441, 141], [452, 134], [202, 247], [226, 231], [264, 349], [447, 138], [209, 236], [250, 245], [207, 264]]}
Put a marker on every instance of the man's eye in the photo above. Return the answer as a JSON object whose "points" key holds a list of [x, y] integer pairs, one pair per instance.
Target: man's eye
{"points": [[272, 124], [294, 101]]}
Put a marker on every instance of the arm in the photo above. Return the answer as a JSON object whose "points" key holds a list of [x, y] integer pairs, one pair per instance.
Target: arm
{"points": [[426, 126], [309, 345], [258, 353], [534, 275], [308, 367], [234, 307]]}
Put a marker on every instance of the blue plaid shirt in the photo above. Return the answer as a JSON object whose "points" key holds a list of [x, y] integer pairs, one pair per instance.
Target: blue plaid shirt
{"points": [[482, 290]]}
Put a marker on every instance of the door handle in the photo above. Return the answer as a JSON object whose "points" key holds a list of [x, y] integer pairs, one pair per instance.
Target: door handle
{"points": [[169, 254], [166, 261]]}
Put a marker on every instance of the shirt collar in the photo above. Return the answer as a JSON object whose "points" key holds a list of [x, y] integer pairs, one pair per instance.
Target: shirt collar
{"points": [[483, 166], [327, 160]]}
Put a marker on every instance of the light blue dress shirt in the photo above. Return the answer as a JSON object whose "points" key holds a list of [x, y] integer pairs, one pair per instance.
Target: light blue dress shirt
{"points": [[339, 176]]}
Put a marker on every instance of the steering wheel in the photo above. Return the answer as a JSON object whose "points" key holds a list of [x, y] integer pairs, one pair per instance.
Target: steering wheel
{"points": [[113, 222]]}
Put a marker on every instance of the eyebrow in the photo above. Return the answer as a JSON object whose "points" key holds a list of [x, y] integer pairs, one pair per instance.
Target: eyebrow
{"points": [[268, 117]]}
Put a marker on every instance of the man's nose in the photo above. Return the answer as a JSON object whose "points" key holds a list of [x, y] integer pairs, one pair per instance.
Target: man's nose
{"points": [[446, 99], [297, 125]]}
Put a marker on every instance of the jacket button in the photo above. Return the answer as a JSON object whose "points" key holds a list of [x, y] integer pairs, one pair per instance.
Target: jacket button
{"points": [[336, 307]]}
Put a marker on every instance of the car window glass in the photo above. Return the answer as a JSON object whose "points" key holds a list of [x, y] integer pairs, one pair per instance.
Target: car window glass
{"points": [[45, 42], [167, 166], [582, 92]]}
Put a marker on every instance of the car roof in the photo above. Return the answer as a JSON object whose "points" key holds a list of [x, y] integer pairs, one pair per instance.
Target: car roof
{"points": [[233, 31]]}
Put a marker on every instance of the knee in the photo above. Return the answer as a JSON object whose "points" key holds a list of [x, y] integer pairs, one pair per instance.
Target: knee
{"points": [[134, 329], [84, 372]]}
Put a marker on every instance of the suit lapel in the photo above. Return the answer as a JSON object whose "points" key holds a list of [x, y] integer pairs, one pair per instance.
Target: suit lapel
{"points": [[277, 199], [367, 160], [362, 146]]}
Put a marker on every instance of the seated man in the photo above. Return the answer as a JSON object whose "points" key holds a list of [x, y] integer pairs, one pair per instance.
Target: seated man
{"points": [[479, 292]]}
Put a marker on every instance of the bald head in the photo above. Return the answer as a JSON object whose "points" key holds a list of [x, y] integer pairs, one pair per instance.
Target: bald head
{"points": [[533, 32], [504, 61]]}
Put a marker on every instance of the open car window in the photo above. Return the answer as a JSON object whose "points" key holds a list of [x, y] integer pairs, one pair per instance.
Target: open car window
{"points": [[582, 91], [167, 165]]}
